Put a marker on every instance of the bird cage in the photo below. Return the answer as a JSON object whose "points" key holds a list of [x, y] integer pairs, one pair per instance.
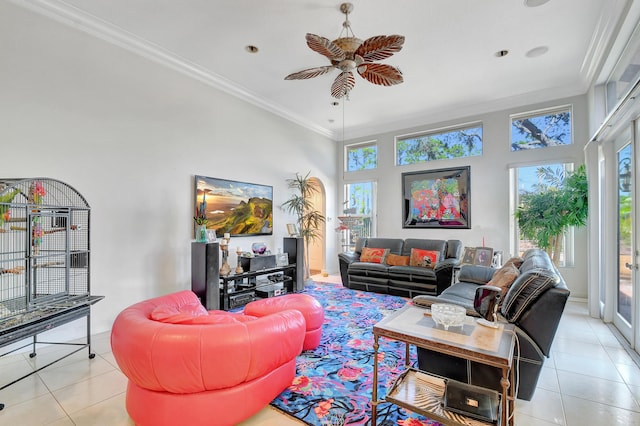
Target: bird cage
{"points": [[44, 245], [44, 262]]}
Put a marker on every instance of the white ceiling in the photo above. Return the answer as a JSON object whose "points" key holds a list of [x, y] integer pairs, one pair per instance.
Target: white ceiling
{"points": [[448, 60]]}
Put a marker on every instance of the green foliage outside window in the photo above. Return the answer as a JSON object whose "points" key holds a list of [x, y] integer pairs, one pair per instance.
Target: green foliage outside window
{"points": [[556, 203], [541, 131], [362, 157], [457, 143]]}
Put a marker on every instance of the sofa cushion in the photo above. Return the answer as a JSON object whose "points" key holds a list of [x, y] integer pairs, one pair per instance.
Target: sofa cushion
{"points": [[462, 290], [374, 255], [396, 260], [504, 277], [393, 244], [424, 258], [475, 274], [453, 249], [432, 245], [460, 294]]}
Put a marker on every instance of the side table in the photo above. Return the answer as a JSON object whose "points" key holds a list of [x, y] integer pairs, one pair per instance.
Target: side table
{"points": [[471, 341]]}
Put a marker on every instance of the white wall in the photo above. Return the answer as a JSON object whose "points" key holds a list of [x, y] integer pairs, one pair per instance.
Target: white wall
{"points": [[129, 135], [489, 183]]}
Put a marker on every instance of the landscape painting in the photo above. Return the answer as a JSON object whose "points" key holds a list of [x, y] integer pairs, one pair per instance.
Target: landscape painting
{"points": [[436, 198], [236, 208]]}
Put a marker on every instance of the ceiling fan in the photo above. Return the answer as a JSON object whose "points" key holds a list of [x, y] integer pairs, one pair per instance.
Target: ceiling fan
{"points": [[349, 53]]}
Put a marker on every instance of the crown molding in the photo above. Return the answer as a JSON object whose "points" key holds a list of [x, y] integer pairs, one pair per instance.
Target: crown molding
{"points": [[70, 15]]}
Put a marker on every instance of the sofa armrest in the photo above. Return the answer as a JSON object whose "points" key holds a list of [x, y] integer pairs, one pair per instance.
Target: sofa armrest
{"points": [[541, 319], [349, 257], [344, 260], [444, 272]]}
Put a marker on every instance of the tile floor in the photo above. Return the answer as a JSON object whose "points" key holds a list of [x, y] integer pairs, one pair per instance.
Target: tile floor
{"points": [[590, 379]]}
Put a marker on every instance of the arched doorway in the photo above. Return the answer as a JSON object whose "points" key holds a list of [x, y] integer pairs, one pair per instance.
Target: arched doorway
{"points": [[317, 249]]}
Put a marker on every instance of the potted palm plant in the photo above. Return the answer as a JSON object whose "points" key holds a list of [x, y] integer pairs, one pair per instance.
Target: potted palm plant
{"points": [[560, 202], [309, 220]]}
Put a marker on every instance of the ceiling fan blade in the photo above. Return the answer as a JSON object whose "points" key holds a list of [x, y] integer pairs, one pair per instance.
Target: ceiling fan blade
{"points": [[309, 73], [325, 47], [342, 84], [382, 74], [380, 47]]}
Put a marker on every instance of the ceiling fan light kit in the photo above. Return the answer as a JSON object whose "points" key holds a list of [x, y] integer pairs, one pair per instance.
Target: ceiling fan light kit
{"points": [[350, 53]]}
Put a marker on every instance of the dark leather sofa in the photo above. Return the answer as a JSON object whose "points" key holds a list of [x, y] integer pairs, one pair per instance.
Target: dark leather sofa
{"points": [[534, 303], [406, 281]]}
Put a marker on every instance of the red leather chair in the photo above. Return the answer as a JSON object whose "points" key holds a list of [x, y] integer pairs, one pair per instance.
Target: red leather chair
{"points": [[187, 366], [311, 310]]}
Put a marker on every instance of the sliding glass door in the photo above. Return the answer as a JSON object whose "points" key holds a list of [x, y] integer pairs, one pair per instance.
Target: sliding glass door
{"points": [[626, 311]]}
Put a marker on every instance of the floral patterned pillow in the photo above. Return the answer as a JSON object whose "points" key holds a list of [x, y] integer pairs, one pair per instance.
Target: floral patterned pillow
{"points": [[424, 258], [373, 255]]}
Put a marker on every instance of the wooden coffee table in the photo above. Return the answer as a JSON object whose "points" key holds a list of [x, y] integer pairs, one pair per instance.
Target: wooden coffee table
{"points": [[471, 341]]}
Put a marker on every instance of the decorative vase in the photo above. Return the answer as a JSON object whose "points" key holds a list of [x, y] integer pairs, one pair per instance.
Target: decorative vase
{"points": [[201, 233], [258, 248]]}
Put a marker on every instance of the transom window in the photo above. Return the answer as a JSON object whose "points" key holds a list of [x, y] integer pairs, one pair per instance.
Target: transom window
{"points": [[439, 145], [363, 156], [541, 129]]}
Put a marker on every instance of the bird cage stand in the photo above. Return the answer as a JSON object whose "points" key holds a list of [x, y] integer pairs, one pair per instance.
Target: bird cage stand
{"points": [[44, 263]]}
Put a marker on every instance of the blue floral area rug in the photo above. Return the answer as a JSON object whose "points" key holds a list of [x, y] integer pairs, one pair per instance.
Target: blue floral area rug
{"points": [[333, 383]]}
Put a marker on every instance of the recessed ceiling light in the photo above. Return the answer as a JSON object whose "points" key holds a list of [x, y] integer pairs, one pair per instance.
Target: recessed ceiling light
{"points": [[251, 48], [535, 3], [537, 51], [502, 53]]}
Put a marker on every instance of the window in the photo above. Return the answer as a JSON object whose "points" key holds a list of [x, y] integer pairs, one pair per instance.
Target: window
{"points": [[362, 156], [358, 213], [541, 130], [625, 73], [532, 179], [452, 143]]}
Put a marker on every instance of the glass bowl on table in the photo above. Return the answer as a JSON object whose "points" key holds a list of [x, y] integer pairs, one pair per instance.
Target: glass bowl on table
{"points": [[448, 314]]}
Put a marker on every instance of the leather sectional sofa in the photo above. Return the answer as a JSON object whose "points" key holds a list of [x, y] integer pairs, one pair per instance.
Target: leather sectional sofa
{"points": [[534, 302], [400, 280]]}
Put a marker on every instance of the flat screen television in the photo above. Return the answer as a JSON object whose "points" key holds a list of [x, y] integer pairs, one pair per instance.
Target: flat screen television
{"points": [[234, 207]]}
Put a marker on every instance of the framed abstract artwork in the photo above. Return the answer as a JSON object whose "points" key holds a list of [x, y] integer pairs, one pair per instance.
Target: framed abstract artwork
{"points": [[233, 207], [437, 198]]}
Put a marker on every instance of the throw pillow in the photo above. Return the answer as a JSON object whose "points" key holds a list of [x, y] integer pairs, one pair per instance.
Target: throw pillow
{"points": [[424, 258], [178, 314], [504, 277], [373, 255], [396, 260], [515, 261]]}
